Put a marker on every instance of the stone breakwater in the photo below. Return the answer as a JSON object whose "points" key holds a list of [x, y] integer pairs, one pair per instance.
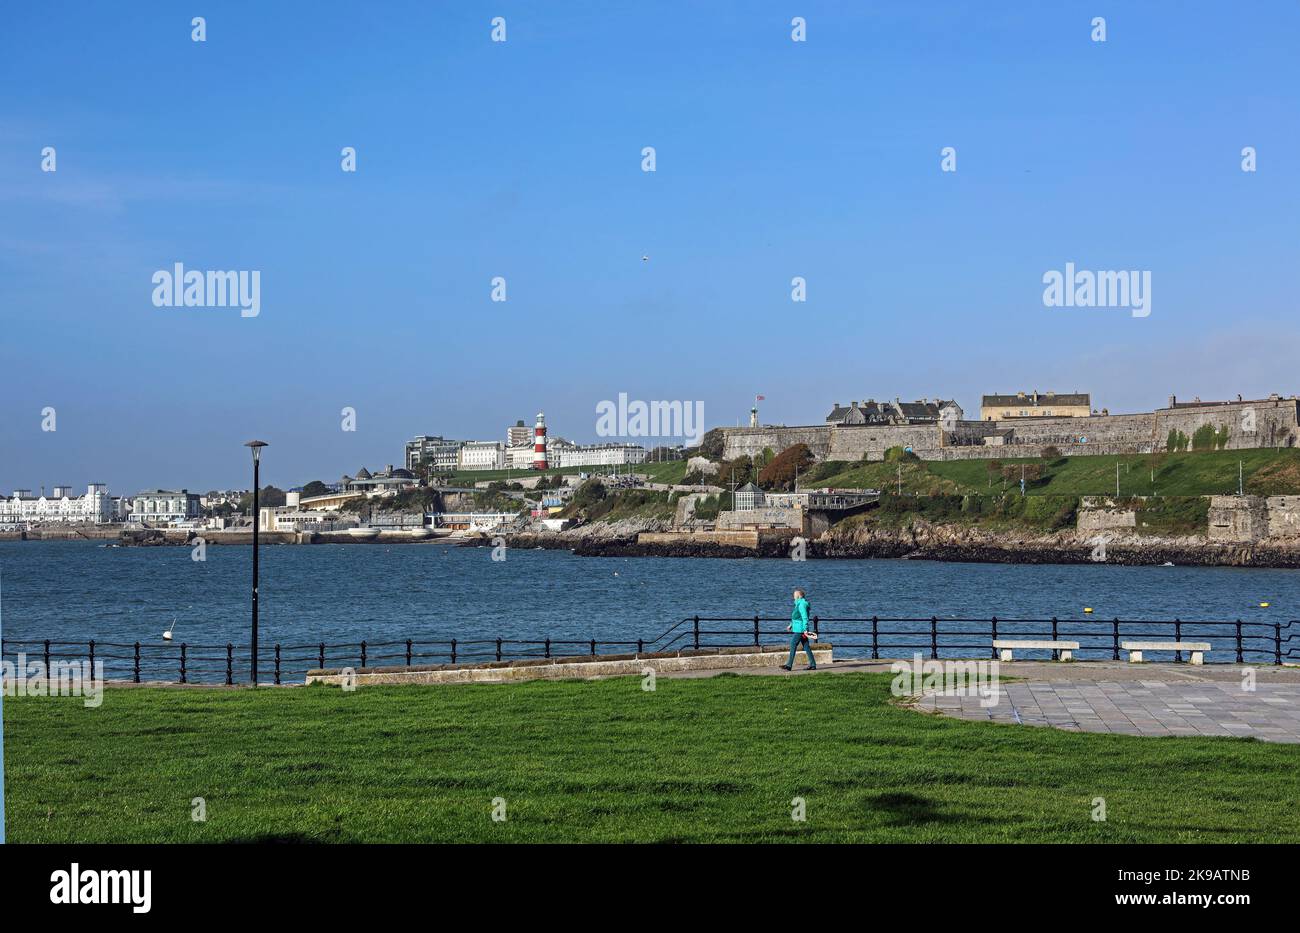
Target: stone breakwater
{"points": [[924, 541]]}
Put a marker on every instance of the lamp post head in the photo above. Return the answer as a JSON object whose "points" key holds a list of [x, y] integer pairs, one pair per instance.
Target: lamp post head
{"points": [[257, 448]]}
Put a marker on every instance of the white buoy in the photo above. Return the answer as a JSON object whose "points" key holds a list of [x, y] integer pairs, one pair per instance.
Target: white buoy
{"points": [[167, 635]]}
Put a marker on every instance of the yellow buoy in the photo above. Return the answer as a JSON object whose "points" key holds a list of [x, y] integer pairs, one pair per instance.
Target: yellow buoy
{"points": [[1263, 605], [1087, 609]]}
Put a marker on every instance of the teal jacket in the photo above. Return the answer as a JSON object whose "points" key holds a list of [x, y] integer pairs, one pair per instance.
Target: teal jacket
{"points": [[799, 616]]}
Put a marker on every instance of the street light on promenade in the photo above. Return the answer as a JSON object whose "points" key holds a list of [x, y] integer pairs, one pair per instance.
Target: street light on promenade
{"points": [[257, 457]]}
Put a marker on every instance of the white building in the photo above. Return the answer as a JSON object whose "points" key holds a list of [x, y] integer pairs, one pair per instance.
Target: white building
{"points": [[95, 507], [482, 455], [581, 455], [165, 506], [520, 457]]}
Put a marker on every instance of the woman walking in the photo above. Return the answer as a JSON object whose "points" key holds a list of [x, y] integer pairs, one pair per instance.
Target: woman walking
{"points": [[798, 629]]}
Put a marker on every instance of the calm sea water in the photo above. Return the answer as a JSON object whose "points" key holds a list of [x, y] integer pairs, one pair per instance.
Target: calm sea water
{"points": [[75, 591]]}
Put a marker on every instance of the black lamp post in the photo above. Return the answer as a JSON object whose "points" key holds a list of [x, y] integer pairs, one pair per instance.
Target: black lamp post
{"points": [[257, 457]]}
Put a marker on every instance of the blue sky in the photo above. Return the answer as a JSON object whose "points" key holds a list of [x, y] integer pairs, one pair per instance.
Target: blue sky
{"points": [[523, 159]]}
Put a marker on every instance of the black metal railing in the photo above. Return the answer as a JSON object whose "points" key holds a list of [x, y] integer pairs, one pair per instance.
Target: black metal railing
{"points": [[872, 637]]}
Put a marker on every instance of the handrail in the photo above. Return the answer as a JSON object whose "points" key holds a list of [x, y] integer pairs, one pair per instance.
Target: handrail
{"points": [[953, 636]]}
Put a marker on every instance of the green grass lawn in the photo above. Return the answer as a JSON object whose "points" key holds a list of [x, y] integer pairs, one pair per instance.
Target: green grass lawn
{"points": [[715, 759], [1196, 473]]}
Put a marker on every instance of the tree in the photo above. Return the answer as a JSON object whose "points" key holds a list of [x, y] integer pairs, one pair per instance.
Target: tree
{"points": [[314, 488], [711, 445], [782, 472], [269, 497], [1051, 452]]}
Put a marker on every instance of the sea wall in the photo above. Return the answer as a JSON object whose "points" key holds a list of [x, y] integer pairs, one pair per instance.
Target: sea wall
{"points": [[590, 666]]}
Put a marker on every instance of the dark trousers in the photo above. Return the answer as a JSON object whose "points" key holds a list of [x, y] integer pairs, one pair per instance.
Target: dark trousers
{"points": [[794, 646]]}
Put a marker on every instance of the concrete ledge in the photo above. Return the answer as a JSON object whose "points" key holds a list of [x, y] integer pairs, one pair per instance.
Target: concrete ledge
{"points": [[589, 666]]}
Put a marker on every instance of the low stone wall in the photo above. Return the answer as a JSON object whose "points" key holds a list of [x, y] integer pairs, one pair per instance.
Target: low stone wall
{"points": [[1097, 513], [583, 667]]}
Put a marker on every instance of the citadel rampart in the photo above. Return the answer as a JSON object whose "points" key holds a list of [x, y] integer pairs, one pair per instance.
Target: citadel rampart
{"points": [[1237, 426]]}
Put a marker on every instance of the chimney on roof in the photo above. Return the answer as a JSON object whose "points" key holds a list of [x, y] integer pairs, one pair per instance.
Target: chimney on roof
{"points": [[1173, 401]]}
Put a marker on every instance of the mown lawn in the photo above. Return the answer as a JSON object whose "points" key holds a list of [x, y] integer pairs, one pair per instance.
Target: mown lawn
{"points": [[715, 759]]}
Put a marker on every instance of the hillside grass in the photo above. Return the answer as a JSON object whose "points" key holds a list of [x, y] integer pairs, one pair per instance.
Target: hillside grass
{"points": [[1196, 473], [697, 760]]}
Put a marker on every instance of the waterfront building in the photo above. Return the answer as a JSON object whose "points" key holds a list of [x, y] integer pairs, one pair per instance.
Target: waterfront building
{"points": [[583, 455], [518, 434], [432, 453], [1035, 405], [165, 506], [924, 411], [388, 480], [61, 505], [482, 455], [520, 457], [748, 497]]}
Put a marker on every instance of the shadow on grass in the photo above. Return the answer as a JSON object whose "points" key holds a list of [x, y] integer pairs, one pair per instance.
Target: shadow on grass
{"points": [[903, 809]]}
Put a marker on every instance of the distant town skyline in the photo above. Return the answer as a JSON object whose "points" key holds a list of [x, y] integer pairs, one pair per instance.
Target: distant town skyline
{"points": [[477, 160]]}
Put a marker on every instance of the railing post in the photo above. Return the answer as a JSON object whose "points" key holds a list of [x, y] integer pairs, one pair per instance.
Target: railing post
{"points": [[593, 648], [548, 647], [697, 633], [230, 664], [1240, 656], [934, 637], [408, 652], [363, 654], [92, 654], [1277, 643], [1178, 636], [498, 649], [995, 637], [47, 659], [1115, 639], [183, 671], [875, 641], [640, 646], [816, 624], [756, 630], [277, 664], [322, 655], [1056, 655], [453, 651], [135, 664]]}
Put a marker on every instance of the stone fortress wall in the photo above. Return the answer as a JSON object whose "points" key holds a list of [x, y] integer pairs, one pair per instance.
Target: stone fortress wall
{"points": [[1247, 425]]}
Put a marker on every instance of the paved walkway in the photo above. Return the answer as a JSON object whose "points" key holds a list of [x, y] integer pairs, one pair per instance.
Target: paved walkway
{"points": [[1121, 698], [1271, 712]]}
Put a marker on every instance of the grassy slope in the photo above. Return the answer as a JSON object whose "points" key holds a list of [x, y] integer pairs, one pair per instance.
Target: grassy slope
{"points": [[1267, 472], [697, 760]]}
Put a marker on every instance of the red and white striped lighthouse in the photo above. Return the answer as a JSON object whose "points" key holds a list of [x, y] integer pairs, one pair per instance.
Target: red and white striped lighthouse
{"points": [[539, 443]]}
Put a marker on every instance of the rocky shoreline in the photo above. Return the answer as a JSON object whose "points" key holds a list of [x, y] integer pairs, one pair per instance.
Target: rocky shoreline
{"points": [[935, 542]]}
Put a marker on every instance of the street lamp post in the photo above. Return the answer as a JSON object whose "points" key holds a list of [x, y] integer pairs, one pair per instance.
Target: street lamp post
{"points": [[257, 457]]}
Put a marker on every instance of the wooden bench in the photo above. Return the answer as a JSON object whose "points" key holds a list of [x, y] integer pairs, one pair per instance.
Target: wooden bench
{"points": [[1004, 647], [1196, 648]]}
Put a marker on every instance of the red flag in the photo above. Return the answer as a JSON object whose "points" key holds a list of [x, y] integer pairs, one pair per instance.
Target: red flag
{"points": [[760, 398]]}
